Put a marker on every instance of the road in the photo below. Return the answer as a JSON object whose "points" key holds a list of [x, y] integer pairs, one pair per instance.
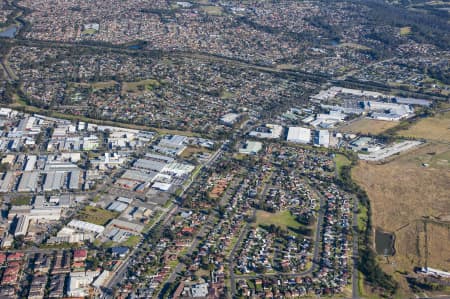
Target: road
{"points": [[179, 267], [355, 274], [196, 240], [232, 254], [314, 267], [118, 274], [8, 72]]}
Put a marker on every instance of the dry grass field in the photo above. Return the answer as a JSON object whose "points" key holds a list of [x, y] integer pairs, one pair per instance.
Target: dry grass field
{"points": [[283, 219], [368, 126], [405, 30], [411, 200], [192, 150], [431, 128]]}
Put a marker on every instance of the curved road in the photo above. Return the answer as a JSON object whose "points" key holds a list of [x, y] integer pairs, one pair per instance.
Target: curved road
{"points": [[314, 267]]}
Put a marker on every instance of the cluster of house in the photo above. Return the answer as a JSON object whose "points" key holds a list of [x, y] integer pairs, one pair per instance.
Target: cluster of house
{"points": [[153, 266], [158, 25], [288, 189], [256, 252], [13, 263], [4, 13], [49, 275], [334, 270], [165, 97], [409, 70], [216, 242]]}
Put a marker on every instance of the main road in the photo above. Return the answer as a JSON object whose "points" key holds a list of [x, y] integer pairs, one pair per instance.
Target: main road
{"points": [[119, 272], [355, 273]]}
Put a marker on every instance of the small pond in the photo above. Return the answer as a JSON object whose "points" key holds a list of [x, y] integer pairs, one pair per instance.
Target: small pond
{"points": [[384, 242]]}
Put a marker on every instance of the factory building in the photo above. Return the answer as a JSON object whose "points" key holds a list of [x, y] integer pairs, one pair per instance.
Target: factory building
{"points": [[54, 181], [299, 135], [22, 223], [86, 226], [322, 138], [28, 181]]}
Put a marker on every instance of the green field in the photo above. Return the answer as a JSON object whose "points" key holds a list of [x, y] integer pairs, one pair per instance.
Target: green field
{"points": [[405, 30], [89, 31], [20, 201], [212, 10], [341, 161], [96, 215], [283, 219], [131, 242], [226, 95], [148, 84]]}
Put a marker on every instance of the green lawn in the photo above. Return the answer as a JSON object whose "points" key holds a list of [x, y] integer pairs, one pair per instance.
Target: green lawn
{"points": [[283, 219], [405, 30], [226, 95], [89, 31], [131, 242], [148, 84], [362, 218], [96, 215], [212, 10], [341, 161], [20, 201]]}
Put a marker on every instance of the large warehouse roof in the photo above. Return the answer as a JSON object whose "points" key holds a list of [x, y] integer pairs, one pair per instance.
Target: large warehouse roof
{"points": [[299, 134]]}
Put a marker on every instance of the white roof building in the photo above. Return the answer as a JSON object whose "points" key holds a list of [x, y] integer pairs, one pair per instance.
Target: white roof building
{"points": [[251, 147], [229, 118], [270, 131], [161, 186], [79, 283], [199, 290], [178, 169], [299, 135], [31, 162], [28, 181], [322, 138], [21, 226], [86, 226], [117, 206], [101, 279]]}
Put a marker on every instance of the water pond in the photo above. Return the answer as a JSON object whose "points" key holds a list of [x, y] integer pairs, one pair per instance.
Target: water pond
{"points": [[384, 242]]}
